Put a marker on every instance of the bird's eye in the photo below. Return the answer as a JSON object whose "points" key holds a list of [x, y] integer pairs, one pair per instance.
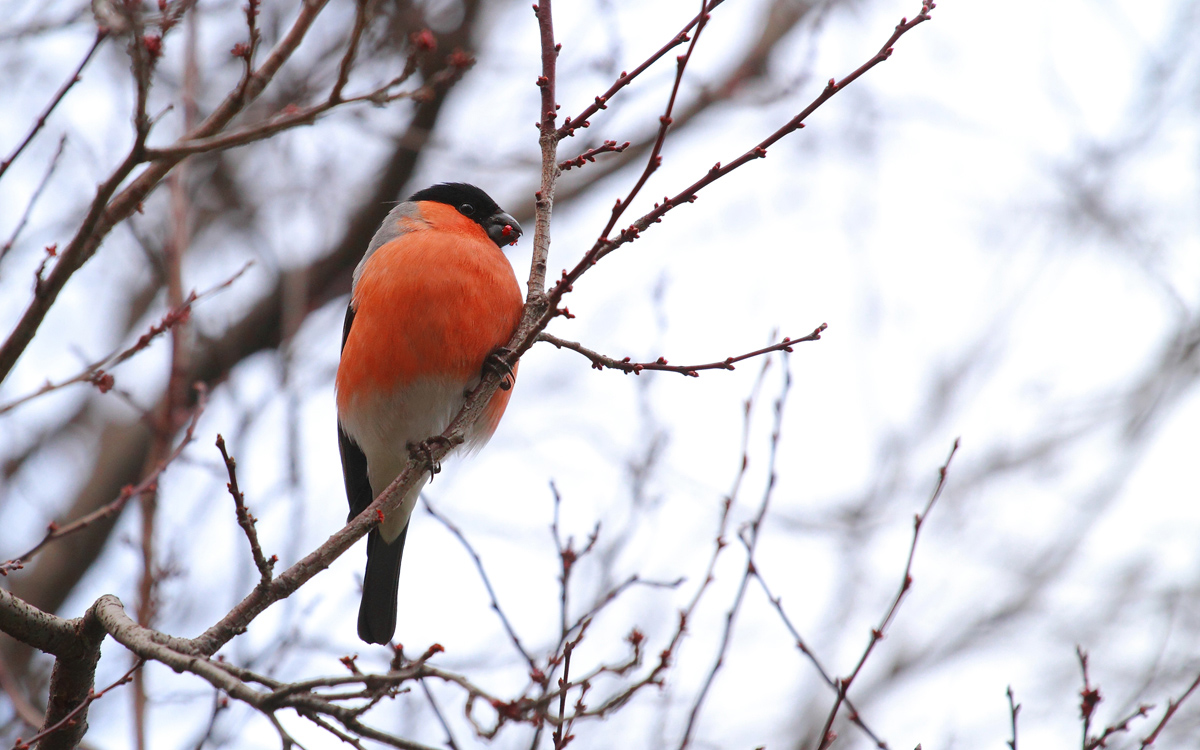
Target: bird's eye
{"points": [[466, 209]]}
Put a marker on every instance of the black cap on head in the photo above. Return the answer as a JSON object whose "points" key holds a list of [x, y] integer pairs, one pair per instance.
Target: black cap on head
{"points": [[476, 205], [459, 194]]}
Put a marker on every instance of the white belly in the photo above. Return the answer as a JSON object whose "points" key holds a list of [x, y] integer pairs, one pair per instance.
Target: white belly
{"points": [[384, 425]]}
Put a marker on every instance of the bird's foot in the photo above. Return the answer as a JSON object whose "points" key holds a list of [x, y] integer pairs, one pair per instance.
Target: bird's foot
{"points": [[496, 361], [424, 450]]}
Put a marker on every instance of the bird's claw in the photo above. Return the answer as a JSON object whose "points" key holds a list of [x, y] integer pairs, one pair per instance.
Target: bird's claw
{"points": [[496, 361], [424, 450]]}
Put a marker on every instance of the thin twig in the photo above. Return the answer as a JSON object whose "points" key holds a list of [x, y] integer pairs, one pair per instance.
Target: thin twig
{"points": [[1089, 697], [605, 244], [749, 536], [71, 715], [33, 198], [582, 120], [611, 595], [567, 557], [1172, 706], [129, 492], [625, 365], [560, 739], [98, 373], [777, 602], [361, 17], [1013, 709], [878, 632], [636, 638], [246, 50], [589, 156], [654, 161], [244, 519], [292, 116], [40, 122], [565, 564], [450, 741], [487, 582], [1101, 740]]}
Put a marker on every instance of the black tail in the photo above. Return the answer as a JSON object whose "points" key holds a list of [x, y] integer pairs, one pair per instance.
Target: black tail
{"points": [[377, 612]]}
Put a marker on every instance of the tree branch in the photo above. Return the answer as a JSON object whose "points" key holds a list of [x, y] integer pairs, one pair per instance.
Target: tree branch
{"points": [[107, 211], [877, 633], [602, 362], [40, 122]]}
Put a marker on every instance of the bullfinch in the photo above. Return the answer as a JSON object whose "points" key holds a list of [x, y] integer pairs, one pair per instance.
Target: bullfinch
{"points": [[432, 299]]}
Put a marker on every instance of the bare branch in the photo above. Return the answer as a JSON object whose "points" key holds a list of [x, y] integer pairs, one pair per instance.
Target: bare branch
{"points": [[749, 536], [582, 120], [878, 632], [65, 730], [562, 735], [655, 159], [244, 519], [361, 17], [291, 117], [97, 373], [437, 711], [548, 144], [601, 362], [33, 198], [181, 656], [1013, 709], [76, 646], [107, 210], [487, 583], [605, 245], [247, 49], [40, 122], [148, 484], [1118, 727], [777, 602], [42, 630], [1172, 706], [1089, 696], [589, 156]]}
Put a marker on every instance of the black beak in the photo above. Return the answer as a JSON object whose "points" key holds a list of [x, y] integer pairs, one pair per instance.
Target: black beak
{"points": [[503, 229]]}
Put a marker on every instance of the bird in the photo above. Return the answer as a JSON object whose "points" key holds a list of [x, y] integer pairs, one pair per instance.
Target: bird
{"points": [[432, 304]]}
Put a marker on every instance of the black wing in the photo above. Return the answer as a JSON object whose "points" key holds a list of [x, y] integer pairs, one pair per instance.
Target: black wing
{"points": [[346, 325], [354, 462]]}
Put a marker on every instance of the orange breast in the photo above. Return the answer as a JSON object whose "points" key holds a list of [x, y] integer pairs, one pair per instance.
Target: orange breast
{"points": [[430, 304]]}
